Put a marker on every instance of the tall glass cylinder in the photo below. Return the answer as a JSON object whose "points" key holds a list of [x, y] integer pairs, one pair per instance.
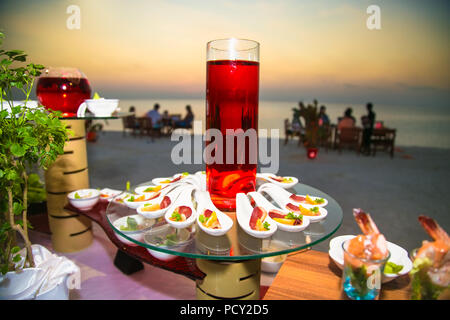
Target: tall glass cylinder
{"points": [[232, 89]]}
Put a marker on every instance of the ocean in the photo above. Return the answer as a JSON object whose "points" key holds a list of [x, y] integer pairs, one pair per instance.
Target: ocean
{"points": [[416, 126]]}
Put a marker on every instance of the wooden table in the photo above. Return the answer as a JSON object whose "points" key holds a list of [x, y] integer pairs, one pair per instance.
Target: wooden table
{"points": [[312, 275]]}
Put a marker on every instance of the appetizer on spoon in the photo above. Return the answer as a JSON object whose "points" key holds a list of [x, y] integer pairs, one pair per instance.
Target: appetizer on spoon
{"points": [[285, 219], [210, 219], [254, 221], [314, 213]]}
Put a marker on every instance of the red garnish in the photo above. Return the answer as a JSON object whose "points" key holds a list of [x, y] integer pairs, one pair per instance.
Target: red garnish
{"points": [[292, 207], [187, 211], [257, 213], [165, 202], [297, 198]]}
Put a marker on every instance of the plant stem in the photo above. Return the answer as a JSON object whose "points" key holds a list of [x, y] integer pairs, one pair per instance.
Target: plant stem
{"points": [[18, 228]]}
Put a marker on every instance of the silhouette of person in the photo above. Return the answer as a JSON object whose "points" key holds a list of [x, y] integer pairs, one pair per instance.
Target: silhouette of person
{"points": [[368, 122], [187, 121], [155, 116], [348, 120], [324, 120]]}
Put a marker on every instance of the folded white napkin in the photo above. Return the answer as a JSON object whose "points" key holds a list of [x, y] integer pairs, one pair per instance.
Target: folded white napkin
{"points": [[30, 283]]}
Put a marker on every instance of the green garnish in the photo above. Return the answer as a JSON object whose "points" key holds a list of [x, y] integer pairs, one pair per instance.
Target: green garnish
{"points": [[150, 189], [176, 216], [131, 199], [128, 186], [132, 225], [291, 215], [315, 209], [319, 200], [202, 218], [266, 225], [392, 268], [287, 180], [77, 196], [171, 239], [185, 173]]}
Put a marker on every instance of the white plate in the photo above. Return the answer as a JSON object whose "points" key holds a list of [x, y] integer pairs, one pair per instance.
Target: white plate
{"points": [[398, 256]]}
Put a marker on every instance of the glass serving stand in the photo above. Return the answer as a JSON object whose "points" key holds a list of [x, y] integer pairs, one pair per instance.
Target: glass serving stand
{"points": [[231, 262]]}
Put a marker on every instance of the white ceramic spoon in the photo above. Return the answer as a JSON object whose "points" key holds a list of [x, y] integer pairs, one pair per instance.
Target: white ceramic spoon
{"points": [[284, 202], [165, 200], [244, 212], [261, 201], [202, 177], [184, 201], [295, 198], [204, 203], [270, 177]]}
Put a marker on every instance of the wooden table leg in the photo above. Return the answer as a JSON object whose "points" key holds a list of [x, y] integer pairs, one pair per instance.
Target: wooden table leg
{"points": [[70, 232]]}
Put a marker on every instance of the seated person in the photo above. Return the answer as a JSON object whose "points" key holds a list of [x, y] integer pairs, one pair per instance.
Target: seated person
{"points": [[324, 120], [348, 121], [155, 116], [187, 121]]}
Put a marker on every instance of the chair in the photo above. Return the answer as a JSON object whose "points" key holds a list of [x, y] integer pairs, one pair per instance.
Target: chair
{"points": [[147, 128], [349, 137], [130, 123], [326, 136], [383, 139], [290, 132]]}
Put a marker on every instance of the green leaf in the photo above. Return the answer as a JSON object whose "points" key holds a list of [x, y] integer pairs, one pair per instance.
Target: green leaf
{"points": [[15, 249], [17, 258], [392, 268], [17, 208], [2, 173], [17, 150], [30, 141]]}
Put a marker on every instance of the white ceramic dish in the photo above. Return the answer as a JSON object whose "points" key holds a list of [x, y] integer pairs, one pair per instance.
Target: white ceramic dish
{"points": [[243, 214], [270, 177], [137, 235], [183, 239], [283, 201], [102, 107], [399, 256], [261, 201], [185, 200], [272, 264], [203, 203], [89, 198]]}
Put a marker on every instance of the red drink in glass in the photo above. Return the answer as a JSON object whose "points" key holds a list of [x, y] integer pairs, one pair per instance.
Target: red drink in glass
{"points": [[63, 92], [232, 103]]}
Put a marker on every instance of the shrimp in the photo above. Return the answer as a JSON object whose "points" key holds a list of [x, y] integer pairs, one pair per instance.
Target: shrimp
{"points": [[438, 251], [371, 244]]}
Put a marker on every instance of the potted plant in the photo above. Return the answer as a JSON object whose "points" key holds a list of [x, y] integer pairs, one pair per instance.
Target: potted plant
{"points": [[311, 116], [28, 136]]}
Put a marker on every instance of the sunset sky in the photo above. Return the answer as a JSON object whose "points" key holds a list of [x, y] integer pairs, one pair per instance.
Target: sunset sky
{"points": [[322, 49]]}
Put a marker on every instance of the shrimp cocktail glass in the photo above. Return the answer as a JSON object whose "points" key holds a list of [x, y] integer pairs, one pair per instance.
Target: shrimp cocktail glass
{"points": [[430, 275], [365, 257], [232, 88]]}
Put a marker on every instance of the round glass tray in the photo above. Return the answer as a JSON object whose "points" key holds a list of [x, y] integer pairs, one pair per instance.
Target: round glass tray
{"points": [[236, 244]]}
